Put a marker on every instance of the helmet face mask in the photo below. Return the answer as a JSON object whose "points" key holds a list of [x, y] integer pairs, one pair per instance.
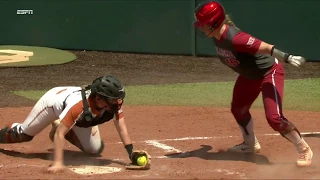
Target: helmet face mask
{"points": [[110, 101]]}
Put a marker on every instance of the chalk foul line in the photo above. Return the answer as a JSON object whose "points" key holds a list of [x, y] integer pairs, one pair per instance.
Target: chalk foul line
{"points": [[163, 146], [306, 134]]}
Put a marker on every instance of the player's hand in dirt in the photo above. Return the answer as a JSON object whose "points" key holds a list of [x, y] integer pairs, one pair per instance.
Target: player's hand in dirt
{"points": [[56, 168], [296, 60]]}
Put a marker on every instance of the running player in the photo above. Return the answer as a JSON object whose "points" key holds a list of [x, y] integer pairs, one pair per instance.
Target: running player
{"points": [[259, 69]]}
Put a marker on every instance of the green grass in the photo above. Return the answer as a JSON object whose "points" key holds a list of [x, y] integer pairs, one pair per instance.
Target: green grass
{"points": [[299, 94]]}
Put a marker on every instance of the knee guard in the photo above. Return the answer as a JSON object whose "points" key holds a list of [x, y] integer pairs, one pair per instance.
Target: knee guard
{"points": [[13, 135]]}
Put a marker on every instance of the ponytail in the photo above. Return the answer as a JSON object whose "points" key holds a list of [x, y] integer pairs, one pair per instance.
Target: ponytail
{"points": [[229, 21]]}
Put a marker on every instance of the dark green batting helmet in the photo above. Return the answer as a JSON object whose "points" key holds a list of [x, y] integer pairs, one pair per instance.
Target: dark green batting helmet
{"points": [[108, 86]]}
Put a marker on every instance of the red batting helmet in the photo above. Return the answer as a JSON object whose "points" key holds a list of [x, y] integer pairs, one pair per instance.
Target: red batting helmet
{"points": [[210, 13]]}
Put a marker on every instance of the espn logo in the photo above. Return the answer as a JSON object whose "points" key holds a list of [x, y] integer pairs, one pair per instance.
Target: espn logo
{"points": [[250, 41], [24, 12]]}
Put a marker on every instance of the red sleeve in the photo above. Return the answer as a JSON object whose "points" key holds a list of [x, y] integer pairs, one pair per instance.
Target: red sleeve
{"points": [[243, 42]]}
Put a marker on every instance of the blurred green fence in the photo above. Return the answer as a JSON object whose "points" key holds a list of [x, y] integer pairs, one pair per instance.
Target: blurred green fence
{"points": [[154, 26]]}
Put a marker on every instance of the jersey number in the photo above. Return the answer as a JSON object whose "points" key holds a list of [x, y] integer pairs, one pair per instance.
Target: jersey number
{"points": [[232, 62]]}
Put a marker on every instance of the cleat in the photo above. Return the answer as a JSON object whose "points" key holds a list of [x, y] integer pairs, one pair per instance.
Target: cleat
{"points": [[245, 148], [305, 157], [3, 134]]}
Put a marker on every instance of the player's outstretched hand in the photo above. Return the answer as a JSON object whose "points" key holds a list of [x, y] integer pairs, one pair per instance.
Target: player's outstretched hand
{"points": [[296, 60], [56, 168]]}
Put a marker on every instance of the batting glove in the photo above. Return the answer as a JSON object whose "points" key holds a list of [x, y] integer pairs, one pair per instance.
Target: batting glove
{"points": [[296, 60]]}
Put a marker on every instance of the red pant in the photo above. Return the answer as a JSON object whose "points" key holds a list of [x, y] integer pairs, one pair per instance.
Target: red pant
{"points": [[246, 91]]}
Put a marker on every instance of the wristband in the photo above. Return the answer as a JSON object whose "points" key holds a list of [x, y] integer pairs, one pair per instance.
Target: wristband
{"points": [[129, 149], [279, 54]]}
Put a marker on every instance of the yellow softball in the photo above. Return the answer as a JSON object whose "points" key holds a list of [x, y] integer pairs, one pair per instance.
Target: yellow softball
{"points": [[142, 160]]}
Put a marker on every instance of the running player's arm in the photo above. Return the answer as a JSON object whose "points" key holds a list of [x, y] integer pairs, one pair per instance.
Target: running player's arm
{"points": [[123, 132], [244, 42], [270, 49]]}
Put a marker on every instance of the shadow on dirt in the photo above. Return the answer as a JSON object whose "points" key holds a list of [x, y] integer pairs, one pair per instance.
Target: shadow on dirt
{"points": [[73, 158], [221, 155]]}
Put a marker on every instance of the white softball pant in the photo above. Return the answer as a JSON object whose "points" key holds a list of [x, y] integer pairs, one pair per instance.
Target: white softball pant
{"points": [[47, 110]]}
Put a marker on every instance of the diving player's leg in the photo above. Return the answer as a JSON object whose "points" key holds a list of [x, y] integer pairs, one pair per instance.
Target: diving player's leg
{"points": [[38, 119], [86, 139]]}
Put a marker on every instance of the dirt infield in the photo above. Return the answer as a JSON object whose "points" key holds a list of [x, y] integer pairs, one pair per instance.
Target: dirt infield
{"points": [[185, 142]]}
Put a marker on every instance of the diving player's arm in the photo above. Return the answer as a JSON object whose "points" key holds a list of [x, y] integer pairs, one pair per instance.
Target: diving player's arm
{"points": [[68, 118], [62, 130], [123, 133]]}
